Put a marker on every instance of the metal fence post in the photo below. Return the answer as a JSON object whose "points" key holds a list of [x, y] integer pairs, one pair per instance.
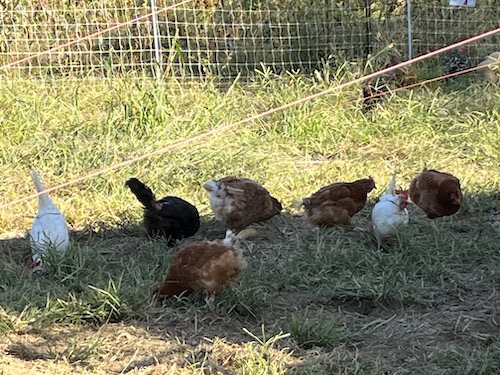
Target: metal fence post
{"points": [[156, 39], [410, 31], [368, 27]]}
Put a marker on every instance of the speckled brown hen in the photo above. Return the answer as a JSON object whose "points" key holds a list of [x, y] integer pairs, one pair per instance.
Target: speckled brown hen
{"points": [[436, 193], [206, 267], [336, 203], [239, 202]]}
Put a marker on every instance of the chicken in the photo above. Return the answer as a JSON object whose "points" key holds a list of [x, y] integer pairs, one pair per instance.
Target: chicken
{"points": [[375, 88], [436, 193], [337, 203], [490, 73], [239, 202], [390, 213], [206, 267], [170, 217], [456, 61], [49, 230]]}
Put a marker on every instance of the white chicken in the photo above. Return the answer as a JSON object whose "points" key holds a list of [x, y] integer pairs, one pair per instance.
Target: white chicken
{"points": [[49, 229], [390, 213]]}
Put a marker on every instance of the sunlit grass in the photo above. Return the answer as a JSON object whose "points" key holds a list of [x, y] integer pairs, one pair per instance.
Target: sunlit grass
{"points": [[320, 287]]}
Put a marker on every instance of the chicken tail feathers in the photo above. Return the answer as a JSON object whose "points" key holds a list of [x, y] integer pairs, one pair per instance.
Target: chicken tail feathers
{"points": [[38, 184], [392, 184], [142, 192], [43, 198]]}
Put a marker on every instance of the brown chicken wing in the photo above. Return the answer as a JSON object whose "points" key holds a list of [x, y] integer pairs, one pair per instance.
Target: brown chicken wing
{"points": [[436, 193], [205, 267], [336, 203], [239, 202]]}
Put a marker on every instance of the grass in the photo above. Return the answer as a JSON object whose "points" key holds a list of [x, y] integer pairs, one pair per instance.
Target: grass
{"points": [[310, 302]]}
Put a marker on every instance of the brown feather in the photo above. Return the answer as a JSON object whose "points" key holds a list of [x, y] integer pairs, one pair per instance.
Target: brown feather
{"points": [[205, 267], [241, 202], [337, 203], [436, 193]]}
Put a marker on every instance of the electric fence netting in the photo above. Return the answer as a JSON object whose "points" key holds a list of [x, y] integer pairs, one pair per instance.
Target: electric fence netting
{"points": [[202, 38]]}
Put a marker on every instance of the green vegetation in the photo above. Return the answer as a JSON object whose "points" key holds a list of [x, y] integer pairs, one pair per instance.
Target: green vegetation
{"points": [[310, 302], [213, 38]]}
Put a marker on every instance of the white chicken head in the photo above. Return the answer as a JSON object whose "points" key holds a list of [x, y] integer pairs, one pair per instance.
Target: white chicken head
{"points": [[212, 186], [403, 198]]}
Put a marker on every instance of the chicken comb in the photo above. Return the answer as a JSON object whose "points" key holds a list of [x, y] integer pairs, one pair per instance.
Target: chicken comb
{"points": [[406, 192]]}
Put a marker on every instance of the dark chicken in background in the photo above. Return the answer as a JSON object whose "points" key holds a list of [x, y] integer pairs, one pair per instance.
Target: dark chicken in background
{"points": [[336, 203], [170, 217], [239, 202], [436, 193], [384, 83], [456, 61]]}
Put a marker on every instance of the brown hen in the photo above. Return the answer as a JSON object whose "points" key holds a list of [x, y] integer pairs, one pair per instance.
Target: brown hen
{"points": [[336, 203], [239, 202], [206, 267], [436, 193]]}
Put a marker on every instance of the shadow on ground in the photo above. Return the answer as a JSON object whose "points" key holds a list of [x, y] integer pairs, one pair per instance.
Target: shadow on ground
{"points": [[329, 289]]}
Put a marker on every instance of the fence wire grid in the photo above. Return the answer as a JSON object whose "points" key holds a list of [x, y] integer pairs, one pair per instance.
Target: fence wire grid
{"points": [[205, 38]]}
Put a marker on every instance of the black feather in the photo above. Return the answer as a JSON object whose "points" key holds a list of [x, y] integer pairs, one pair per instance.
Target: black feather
{"points": [[142, 192], [170, 217]]}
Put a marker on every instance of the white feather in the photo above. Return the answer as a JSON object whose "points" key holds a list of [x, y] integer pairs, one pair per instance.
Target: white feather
{"points": [[49, 229], [392, 185], [387, 217], [218, 197]]}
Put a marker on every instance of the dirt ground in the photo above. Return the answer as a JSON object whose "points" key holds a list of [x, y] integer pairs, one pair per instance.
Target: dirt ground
{"points": [[455, 326]]}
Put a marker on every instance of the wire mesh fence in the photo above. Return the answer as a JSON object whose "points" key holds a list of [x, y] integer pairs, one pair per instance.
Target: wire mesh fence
{"points": [[205, 38]]}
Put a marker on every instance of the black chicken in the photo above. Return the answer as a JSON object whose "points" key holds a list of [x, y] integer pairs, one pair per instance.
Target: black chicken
{"points": [[456, 61], [170, 217]]}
